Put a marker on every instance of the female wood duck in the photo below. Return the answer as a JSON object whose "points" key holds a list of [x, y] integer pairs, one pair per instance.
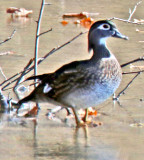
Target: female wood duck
{"points": [[86, 83]]}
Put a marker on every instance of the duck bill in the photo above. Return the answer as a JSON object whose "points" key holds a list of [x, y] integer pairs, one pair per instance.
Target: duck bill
{"points": [[117, 34]]}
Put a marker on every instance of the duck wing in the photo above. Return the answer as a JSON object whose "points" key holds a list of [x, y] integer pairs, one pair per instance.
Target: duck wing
{"points": [[64, 80]]}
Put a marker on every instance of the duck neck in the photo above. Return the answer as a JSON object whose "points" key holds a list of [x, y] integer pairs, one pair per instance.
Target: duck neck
{"points": [[100, 50]]}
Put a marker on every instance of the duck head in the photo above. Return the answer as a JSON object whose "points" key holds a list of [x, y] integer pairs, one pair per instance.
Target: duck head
{"points": [[100, 31]]}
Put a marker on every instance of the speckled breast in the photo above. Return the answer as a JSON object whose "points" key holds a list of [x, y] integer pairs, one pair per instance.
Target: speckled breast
{"points": [[100, 83]]}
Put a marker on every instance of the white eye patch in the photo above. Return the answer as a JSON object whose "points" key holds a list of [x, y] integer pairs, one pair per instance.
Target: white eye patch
{"points": [[104, 26]]}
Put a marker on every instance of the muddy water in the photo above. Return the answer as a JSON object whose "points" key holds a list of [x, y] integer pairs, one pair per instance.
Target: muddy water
{"points": [[115, 139]]}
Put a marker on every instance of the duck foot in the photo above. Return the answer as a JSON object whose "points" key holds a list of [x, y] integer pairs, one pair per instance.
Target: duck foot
{"points": [[91, 123], [81, 124], [95, 124]]}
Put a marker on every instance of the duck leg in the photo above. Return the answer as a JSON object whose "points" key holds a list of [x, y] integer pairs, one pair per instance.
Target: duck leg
{"points": [[85, 118], [79, 122]]}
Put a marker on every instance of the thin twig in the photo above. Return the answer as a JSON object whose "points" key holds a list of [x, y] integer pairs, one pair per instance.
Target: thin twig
{"points": [[68, 42], [22, 74], [127, 86], [130, 16], [133, 61], [125, 20], [19, 78], [132, 12], [11, 36], [3, 73], [40, 61], [21, 82], [45, 32], [133, 72]]}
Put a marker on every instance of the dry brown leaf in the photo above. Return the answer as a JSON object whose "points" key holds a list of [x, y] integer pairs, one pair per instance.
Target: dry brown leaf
{"points": [[32, 113], [6, 53], [78, 15], [139, 20], [82, 18], [12, 10], [19, 12]]}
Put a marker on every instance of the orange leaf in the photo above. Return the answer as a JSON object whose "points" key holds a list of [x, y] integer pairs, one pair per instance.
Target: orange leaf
{"points": [[87, 22], [92, 112], [32, 112], [64, 23]]}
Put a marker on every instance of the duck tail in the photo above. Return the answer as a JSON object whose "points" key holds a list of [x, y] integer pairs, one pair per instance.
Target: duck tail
{"points": [[39, 77]]}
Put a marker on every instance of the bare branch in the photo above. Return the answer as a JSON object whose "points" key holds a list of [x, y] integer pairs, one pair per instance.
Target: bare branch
{"points": [[37, 38], [11, 36], [133, 61], [125, 20], [133, 72], [130, 16], [3, 73], [45, 32], [127, 86], [39, 61], [22, 74], [132, 12]]}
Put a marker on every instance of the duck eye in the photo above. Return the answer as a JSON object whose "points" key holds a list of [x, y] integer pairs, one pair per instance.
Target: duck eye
{"points": [[104, 27]]}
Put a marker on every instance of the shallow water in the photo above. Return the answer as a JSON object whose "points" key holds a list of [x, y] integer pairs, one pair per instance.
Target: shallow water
{"points": [[115, 139]]}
